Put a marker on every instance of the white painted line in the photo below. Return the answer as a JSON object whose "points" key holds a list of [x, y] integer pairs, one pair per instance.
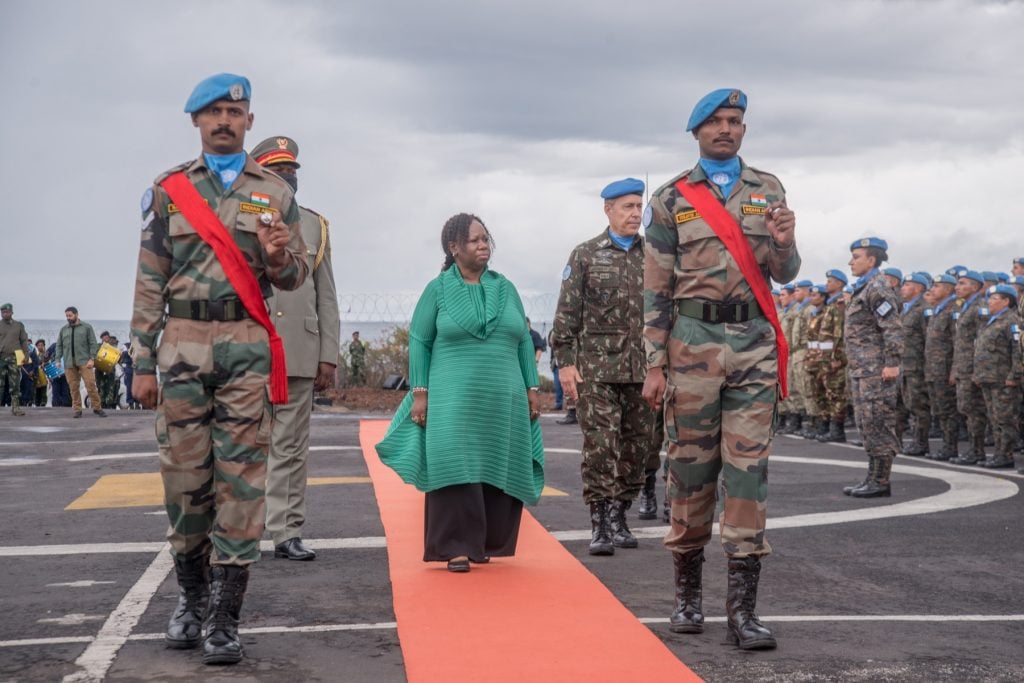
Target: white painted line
{"points": [[336, 448], [357, 543], [99, 656], [27, 642], [86, 583], [920, 618], [112, 456], [15, 462], [73, 619]]}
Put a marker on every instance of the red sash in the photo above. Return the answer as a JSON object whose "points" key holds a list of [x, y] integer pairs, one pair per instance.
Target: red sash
{"points": [[201, 217], [729, 231]]}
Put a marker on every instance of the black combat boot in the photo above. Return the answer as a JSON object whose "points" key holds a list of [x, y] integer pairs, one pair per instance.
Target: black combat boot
{"points": [[789, 425], [950, 448], [666, 511], [780, 421], [220, 630], [810, 427], [997, 461], [836, 433], [822, 428], [185, 629], [688, 616], [600, 529], [1018, 460], [569, 419], [919, 445], [622, 537], [847, 490], [648, 507], [878, 485], [976, 456], [745, 630], [990, 439]]}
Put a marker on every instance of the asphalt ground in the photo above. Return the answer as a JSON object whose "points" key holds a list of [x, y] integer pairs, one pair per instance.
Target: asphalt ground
{"points": [[924, 586]]}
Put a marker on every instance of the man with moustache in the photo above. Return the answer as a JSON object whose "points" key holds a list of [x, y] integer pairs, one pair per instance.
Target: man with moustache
{"points": [[219, 233]]}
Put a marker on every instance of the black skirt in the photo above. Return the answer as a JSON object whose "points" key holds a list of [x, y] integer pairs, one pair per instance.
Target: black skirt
{"points": [[471, 520]]}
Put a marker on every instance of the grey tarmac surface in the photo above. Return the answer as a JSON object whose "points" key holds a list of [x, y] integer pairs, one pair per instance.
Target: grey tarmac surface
{"points": [[869, 600]]}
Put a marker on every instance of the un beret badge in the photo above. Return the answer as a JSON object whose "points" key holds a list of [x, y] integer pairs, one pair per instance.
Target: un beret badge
{"points": [[734, 97], [865, 242], [236, 91]]}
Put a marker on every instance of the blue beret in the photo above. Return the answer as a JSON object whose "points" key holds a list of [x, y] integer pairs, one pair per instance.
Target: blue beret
{"points": [[970, 275], [866, 242], [623, 187], [989, 276], [804, 283], [776, 292], [953, 270], [919, 278], [945, 278], [1019, 261], [1016, 280], [837, 274], [894, 272], [714, 100], [219, 87], [818, 289], [848, 289], [789, 287], [1005, 290], [1001, 276]]}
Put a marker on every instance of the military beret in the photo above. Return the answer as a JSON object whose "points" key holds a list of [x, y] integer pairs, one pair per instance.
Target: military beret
{"points": [[1017, 280], [1019, 261], [804, 283], [970, 275], [848, 289], [789, 287], [1005, 290], [218, 87], [623, 187], [1001, 276], [276, 150], [7, 307], [919, 278], [945, 279], [866, 242], [776, 292], [893, 272], [714, 100], [838, 274], [953, 270], [989, 276], [818, 289]]}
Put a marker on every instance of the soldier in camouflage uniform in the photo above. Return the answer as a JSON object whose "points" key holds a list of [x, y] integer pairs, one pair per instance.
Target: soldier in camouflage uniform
{"points": [[938, 363], [970, 402], [915, 390], [356, 362], [213, 420], [712, 356], [12, 338], [832, 357], [997, 370], [798, 354], [791, 407], [874, 341], [598, 345], [813, 389]]}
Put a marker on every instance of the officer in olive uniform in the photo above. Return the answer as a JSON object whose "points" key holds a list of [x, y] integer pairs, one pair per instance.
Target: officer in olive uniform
{"points": [[832, 352], [12, 338], [213, 421], [598, 345], [307, 319], [712, 356]]}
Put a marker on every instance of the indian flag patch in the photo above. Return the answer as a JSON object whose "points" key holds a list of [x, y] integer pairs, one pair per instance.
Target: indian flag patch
{"points": [[261, 199], [758, 200]]}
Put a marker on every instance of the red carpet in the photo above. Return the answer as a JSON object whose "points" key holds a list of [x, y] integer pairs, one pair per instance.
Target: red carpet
{"points": [[538, 616]]}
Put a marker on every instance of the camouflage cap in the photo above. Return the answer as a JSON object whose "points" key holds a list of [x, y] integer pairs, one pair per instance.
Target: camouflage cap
{"points": [[7, 307], [279, 149]]}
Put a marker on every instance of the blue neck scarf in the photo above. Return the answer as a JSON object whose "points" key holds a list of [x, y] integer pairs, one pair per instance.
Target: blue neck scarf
{"points": [[722, 173], [970, 300], [832, 299], [907, 305], [863, 279], [624, 242], [938, 309], [996, 316], [790, 305], [227, 166]]}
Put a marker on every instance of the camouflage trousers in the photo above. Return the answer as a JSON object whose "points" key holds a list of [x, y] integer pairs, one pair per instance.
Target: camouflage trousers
{"points": [[1003, 406], [942, 395], [620, 440], [970, 402], [874, 409], [810, 389], [107, 387], [833, 383], [915, 397], [10, 380], [719, 410], [794, 403], [213, 426], [356, 374]]}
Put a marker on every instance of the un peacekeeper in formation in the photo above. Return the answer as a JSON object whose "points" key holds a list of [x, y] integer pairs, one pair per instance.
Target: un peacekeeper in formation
{"points": [[797, 355], [715, 235], [970, 402], [213, 421], [308, 322], [915, 390], [874, 342], [813, 389], [832, 352], [597, 341], [12, 338], [997, 370], [791, 407], [938, 363]]}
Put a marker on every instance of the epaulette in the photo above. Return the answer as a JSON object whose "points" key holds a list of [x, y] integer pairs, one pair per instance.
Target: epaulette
{"points": [[315, 213], [672, 182], [770, 175], [180, 167]]}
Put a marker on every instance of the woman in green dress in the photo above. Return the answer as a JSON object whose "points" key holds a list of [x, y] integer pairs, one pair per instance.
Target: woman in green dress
{"points": [[467, 433]]}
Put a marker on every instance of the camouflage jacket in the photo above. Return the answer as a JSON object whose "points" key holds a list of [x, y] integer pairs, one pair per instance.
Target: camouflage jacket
{"points": [[813, 326], [871, 329], [997, 350], [914, 325], [598, 326], [969, 319], [786, 318], [830, 334], [684, 259], [175, 262], [938, 341], [800, 324]]}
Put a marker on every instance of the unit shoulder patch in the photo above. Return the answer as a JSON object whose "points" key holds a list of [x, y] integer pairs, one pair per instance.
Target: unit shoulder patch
{"points": [[686, 216], [883, 309], [648, 216]]}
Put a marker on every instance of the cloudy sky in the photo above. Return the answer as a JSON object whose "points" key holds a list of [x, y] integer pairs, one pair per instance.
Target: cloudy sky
{"points": [[899, 119]]}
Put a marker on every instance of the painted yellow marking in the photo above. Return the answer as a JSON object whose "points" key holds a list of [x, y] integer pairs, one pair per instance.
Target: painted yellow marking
{"points": [[146, 490]]}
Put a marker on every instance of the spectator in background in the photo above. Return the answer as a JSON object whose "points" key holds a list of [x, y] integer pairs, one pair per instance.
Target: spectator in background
{"points": [[539, 347], [60, 391]]}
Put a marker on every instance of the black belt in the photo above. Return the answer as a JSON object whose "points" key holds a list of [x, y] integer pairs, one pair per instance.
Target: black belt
{"points": [[718, 311], [203, 309]]}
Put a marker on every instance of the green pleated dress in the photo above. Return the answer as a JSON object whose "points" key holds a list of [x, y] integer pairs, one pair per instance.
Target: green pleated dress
{"points": [[470, 346]]}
